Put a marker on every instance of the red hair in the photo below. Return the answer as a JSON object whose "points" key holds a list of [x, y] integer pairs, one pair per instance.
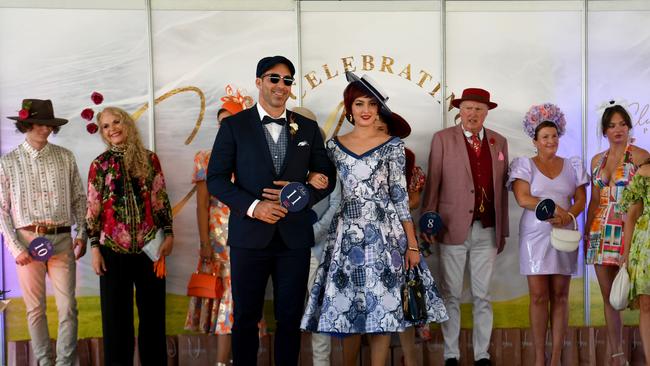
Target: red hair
{"points": [[353, 91]]}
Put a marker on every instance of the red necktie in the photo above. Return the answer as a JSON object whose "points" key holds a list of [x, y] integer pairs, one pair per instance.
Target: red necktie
{"points": [[476, 145]]}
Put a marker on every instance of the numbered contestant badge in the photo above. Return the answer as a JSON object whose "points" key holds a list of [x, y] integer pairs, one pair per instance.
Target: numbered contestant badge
{"points": [[294, 196], [430, 223], [545, 209], [41, 249]]}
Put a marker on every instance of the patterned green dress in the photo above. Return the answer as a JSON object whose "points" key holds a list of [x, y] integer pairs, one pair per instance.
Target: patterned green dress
{"points": [[639, 257]]}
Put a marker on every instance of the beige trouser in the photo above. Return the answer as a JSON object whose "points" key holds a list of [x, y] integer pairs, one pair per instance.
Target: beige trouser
{"points": [[61, 270], [481, 250]]}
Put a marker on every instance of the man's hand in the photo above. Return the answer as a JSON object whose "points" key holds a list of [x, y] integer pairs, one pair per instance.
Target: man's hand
{"points": [[502, 245], [273, 194], [23, 259], [166, 246], [269, 211], [431, 239], [79, 248], [98, 262]]}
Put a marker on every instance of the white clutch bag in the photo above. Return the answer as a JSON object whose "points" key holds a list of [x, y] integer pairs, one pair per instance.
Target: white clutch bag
{"points": [[618, 296], [566, 240], [152, 248]]}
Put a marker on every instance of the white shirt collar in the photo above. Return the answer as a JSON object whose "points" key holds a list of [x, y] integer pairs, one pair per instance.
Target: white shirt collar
{"points": [[32, 151], [263, 112], [468, 134]]}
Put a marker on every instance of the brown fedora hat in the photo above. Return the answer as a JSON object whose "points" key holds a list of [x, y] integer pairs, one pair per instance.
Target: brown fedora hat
{"points": [[40, 112], [475, 95]]}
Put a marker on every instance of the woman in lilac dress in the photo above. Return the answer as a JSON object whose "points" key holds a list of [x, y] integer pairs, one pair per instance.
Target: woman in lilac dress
{"points": [[548, 270]]}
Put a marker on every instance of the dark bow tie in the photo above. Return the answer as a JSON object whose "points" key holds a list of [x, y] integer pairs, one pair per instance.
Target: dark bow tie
{"points": [[267, 119]]}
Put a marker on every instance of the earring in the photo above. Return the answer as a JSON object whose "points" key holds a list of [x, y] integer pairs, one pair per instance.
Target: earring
{"points": [[351, 118]]}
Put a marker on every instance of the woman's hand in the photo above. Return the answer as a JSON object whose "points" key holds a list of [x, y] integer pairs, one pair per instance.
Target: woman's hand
{"points": [[624, 260], [167, 246], [98, 262], [561, 218], [586, 242], [412, 258], [317, 180], [206, 251]]}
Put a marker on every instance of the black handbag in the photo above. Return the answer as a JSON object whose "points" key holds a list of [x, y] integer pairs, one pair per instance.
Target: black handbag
{"points": [[413, 302]]}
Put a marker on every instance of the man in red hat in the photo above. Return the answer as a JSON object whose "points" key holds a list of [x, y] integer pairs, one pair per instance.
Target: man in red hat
{"points": [[41, 197], [473, 205]]}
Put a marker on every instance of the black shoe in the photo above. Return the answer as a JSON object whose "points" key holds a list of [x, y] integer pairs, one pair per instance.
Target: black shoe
{"points": [[483, 362], [451, 362]]}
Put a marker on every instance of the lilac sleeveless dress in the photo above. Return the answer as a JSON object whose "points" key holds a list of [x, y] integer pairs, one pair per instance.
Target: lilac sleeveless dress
{"points": [[536, 254]]}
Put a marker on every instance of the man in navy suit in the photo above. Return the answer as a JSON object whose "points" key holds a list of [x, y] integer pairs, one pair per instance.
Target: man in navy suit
{"points": [[265, 147]]}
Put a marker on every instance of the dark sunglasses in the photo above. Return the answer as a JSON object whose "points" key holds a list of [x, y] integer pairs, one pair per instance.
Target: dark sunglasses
{"points": [[275, 78]]}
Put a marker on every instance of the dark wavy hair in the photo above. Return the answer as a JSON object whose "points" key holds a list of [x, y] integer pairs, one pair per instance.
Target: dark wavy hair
{"points": [[24, 127], [609, 114]]}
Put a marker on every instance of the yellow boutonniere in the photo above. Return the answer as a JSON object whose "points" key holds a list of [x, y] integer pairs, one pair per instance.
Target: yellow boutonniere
{"points": [[293, 126]]}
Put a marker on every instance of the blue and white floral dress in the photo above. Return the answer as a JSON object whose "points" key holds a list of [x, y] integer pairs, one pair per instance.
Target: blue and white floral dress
{"points": [[358, 282]]}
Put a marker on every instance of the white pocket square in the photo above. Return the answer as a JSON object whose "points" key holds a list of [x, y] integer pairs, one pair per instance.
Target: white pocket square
{"points": [[303, 143]]}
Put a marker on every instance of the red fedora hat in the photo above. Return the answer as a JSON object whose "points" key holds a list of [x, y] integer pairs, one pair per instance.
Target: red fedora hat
{"points": [[475, 95]]}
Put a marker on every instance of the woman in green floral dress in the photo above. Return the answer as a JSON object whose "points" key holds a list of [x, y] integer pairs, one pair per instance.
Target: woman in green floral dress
{"points": [[636, 201]]}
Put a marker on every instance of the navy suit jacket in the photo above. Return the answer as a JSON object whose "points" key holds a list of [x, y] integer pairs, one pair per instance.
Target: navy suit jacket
{"points": [[240, 148]]}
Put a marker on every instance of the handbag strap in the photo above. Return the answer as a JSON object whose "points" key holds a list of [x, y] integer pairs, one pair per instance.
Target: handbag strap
{"points": [[413, 272], [206, 261], [575, 223]]}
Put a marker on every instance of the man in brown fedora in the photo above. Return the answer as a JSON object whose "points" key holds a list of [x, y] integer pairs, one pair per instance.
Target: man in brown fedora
{"points": [[41, 197], [473, 204]]}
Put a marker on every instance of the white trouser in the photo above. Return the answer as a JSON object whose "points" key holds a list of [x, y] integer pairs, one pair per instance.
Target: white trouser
{"points": [[320, 343], [481, 249]]}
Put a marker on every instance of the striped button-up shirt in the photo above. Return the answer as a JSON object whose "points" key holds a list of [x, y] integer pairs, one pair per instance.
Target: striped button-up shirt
{"points": [[40, 187]]}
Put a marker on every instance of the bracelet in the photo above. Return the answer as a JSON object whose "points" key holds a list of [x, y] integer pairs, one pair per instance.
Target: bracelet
{"points": [[416, 249]]}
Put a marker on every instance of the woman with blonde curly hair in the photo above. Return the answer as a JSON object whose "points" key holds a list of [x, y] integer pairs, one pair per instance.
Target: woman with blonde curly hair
{"points": [[127, 205]]}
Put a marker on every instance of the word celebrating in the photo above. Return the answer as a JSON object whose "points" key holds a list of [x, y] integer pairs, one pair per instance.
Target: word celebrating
{"points": [[640, 118], [386, 64]]}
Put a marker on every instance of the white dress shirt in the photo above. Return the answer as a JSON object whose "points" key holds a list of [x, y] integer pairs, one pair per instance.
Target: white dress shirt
{"points": [[274, 130], [40, 187]]}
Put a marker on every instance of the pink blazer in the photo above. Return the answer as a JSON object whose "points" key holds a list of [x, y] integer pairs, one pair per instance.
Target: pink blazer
{"points": [[449, 190]]}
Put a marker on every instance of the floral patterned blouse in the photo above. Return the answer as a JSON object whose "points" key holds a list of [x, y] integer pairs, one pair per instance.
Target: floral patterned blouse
{"points": [[124, 213]]}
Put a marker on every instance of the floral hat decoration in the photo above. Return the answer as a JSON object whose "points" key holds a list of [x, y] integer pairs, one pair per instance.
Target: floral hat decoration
{"points": [[602, 107], [235, 102], [542, 113]]}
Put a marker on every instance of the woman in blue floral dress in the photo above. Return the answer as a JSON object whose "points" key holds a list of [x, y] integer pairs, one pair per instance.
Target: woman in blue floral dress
{"points": [[371, 241]]}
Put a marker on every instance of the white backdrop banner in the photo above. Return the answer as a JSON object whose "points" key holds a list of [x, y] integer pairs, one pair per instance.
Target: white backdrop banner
{"points": [[522, 57]]}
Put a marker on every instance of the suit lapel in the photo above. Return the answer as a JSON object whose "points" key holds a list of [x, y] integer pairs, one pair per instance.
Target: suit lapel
{"points": [[460, 142], [494, 154], [291, 144], [259, 138]]}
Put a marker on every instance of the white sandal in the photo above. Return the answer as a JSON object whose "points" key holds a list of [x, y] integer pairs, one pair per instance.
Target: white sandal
{"points": [[615, 355]]}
